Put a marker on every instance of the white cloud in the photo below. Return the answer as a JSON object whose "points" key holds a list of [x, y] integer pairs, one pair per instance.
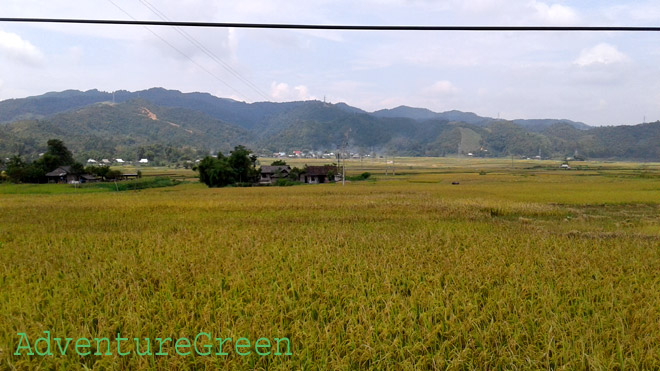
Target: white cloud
{"points": [[602, 53], [283, 92], [13, 47], [555, 13], [442, 87]]}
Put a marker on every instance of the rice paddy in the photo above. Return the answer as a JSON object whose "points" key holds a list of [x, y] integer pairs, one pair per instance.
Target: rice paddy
{"points": [[520, 266]]}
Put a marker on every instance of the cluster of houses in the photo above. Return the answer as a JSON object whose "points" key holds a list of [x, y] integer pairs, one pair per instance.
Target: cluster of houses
{"points": [[301, 154], [64, 174], [269, 175], [116, 161], [316, 154], [310, 175]]}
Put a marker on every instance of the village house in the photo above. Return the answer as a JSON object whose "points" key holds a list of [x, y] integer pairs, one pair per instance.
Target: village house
{"points": [[63, 174], [270, 174], [320, 174]]}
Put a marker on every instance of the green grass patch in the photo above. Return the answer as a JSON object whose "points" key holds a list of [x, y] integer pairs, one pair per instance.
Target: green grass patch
{"points": [[53, 189], [134, 185]]}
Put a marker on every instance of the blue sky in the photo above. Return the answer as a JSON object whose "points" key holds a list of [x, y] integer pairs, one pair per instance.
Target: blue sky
{"points": [[598, 78]]}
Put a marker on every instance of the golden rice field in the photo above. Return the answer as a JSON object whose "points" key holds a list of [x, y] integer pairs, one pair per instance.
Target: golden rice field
{"points": [[515, 267]]}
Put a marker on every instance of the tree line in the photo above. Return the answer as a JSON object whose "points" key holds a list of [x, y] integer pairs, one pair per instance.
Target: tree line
{"points": [[239, 168], [57, 155]]}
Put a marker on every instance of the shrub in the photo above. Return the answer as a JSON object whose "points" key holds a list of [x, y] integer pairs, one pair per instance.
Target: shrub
{"points": [[134, 185], [363, 176], [286, 182]]}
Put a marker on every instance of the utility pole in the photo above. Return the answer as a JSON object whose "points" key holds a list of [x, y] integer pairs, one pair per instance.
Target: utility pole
{"points": [[387, 167], [393, 167], [343, 173], [343, 150]]}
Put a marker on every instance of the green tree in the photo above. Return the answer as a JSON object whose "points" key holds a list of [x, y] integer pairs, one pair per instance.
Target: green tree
{"points": [[112, 174], [99, 171], [243, 163], [216, 171], [49, 162], [331, 176], [34, 173], [239, 167], [57, 149], [294, 174], [77, 168], [278, 163], [16, 169], [19, 171]]}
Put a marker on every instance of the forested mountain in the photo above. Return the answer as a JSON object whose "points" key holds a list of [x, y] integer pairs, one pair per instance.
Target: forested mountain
{"points": [[423, 114], [168, 124], [119, 130]]}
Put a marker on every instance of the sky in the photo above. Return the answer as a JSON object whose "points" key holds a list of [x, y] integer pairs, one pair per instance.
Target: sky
{"points": [[599, 78]]}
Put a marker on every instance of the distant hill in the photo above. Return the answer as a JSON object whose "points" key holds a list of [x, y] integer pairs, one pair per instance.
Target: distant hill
{"points": [[48, 104], [407, 112], [470, 118], [130, 124], [540, 125], [117, 130]]}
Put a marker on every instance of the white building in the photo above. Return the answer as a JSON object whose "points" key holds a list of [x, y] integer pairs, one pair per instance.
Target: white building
{"points": [[143, 161]]}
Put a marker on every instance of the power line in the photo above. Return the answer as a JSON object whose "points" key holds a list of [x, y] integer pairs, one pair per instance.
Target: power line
{"points": [[206, 51], [336, 27], [183, 54]]}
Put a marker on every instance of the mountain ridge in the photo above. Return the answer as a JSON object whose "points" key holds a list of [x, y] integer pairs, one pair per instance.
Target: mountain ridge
{"points": [[95, 123], [208, 103]]}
